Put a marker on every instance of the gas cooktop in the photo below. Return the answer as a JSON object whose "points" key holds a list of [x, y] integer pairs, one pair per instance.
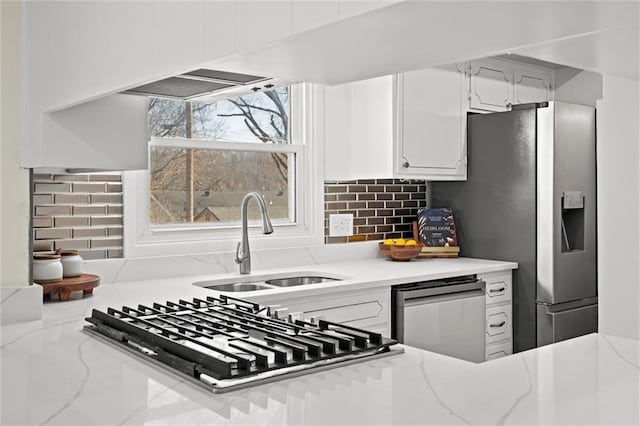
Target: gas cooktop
{"points": [[226, 343]]}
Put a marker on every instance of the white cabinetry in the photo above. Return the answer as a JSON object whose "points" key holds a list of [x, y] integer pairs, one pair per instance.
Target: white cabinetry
{"points": [[491, 85], [359, 129], [499, 317], [367, 309], [494, 84], [411, 125], [532, 84], [430, 122]]}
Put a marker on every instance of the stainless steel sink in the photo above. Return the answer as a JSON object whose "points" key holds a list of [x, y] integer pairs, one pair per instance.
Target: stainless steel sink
{"points": [[293, 281], [269, 281], [235, 287]]}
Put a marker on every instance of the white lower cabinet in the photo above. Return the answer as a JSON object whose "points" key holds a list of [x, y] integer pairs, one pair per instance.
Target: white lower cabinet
{"points": [[498, 350], [367, 309], [499, 314]]}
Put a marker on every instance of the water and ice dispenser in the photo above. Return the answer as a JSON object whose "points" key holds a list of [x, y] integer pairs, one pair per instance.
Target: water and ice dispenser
{"points": [[572, 224]]}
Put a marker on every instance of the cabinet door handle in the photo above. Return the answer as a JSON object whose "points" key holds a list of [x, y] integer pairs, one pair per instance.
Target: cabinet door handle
{"points": [[497, 325], [497, 290], [405, 164]]}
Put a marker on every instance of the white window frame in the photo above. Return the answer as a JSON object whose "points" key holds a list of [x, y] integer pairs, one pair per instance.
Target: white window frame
{"points": [[141, 239]]}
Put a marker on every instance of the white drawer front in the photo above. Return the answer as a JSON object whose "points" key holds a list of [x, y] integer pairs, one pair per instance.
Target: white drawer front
{"points": [[345, 314], [499, 324], [499, 350], [498, 288]]}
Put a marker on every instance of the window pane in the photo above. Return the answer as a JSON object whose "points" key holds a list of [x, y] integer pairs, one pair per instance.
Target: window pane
{"points": [[261, 117], [220, 181]]}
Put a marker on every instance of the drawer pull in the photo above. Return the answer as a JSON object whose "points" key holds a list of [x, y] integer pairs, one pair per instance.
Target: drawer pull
{"points": [[497, 290], [498, 325]]}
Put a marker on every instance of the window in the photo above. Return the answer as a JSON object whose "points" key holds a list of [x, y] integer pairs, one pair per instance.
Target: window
{"points": [[204, 158]]}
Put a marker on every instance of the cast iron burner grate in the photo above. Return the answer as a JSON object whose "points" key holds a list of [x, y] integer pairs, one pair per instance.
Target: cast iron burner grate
{"points": [[226, 342]]}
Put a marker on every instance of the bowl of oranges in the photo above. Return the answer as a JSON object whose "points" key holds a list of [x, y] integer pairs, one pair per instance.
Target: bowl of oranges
{"points": [[400, 249]]}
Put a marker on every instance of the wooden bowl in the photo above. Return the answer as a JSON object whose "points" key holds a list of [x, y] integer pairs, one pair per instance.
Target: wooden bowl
{"points": [[400, 253]]}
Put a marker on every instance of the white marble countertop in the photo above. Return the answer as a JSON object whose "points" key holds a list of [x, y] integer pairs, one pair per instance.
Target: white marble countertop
{"points": [[53, 373]]}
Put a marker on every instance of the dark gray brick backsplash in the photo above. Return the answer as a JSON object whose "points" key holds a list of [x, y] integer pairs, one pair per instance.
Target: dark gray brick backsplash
{"points": [[382, 208], [78, 211]]}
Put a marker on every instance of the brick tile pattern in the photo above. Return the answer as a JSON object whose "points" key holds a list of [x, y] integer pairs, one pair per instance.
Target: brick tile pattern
{"points": [[78, 211], [381, 208]]}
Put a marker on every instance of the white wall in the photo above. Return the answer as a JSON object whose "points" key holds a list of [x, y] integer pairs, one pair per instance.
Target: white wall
{"points": [[618, 208], [14, 181]]}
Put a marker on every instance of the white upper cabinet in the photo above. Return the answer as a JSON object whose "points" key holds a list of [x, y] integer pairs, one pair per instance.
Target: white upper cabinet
{"points": [[532, 84], [430, 122], [495, 85], [359, 129], [491, 85], [374, 128]]}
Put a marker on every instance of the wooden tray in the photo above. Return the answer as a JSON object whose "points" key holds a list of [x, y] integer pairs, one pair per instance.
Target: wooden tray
{"points": [[63, 288]]}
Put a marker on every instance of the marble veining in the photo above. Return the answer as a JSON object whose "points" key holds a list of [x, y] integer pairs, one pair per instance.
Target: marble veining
{"points": [[613, 348], [73, 399], [9, 296], [502, 420], [36, 330], [435, 393], [592, 379]]}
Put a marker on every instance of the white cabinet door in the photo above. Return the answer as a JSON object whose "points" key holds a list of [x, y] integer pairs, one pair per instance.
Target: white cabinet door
{"points": [[532, 84], [430, 121], [491, 85], [359, 130], [366, 309]]}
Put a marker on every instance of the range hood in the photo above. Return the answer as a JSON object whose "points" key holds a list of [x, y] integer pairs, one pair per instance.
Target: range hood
{"points": [[206, 85]]}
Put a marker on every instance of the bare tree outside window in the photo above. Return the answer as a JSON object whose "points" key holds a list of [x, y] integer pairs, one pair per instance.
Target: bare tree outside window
{"points": [[207, 185]]}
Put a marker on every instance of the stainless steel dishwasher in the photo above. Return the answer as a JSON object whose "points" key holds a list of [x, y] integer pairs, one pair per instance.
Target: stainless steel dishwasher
{"points": [[446, 316]]}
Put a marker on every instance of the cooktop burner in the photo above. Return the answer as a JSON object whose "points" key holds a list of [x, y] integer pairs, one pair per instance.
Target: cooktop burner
{"points": [[226, 343]]}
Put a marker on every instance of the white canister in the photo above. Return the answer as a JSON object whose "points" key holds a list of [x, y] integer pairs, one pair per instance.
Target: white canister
{"points": [[72, 263], [47, 267]]}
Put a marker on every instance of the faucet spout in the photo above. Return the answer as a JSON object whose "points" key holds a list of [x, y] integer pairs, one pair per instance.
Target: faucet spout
{"points": [[243, 254]]}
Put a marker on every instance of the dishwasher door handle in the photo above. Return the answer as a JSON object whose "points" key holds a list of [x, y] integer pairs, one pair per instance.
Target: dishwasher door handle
{"points": [[403, 296], [417, 301]]}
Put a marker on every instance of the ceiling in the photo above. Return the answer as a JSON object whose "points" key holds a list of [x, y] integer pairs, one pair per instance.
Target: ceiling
{"points": [[599, 36]]}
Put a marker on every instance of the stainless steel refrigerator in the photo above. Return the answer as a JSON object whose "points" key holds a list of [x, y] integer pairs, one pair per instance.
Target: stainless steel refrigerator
{"points": [[530, 197]]}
